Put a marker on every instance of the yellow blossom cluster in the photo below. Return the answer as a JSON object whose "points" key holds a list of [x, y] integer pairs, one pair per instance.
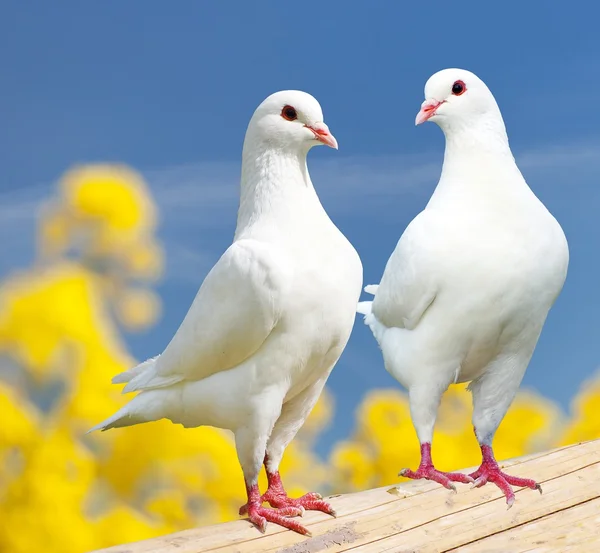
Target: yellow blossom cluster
{"points": [[64, 491]]}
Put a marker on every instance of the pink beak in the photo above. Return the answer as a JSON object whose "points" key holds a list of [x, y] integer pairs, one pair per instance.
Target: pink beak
{"points": [[428, 109], [322, 134]]}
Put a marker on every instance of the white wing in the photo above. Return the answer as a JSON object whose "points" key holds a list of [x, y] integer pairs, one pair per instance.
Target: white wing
{"points": [[235, 310], [408, 286]]}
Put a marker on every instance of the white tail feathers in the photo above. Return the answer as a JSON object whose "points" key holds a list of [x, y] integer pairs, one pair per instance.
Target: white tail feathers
{"points": [[128, 375], [121, 418], [130, 414], [145, 407], [364, 307], [149, 380], [371, 289], [144, 377]]}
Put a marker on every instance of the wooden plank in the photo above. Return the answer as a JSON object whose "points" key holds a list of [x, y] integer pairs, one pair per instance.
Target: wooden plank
{"points": [[385, 519], [482, 520], [574, 529], [378, 517]]}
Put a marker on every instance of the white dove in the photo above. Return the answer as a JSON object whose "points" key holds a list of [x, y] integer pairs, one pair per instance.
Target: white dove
{"points": [[271, 318], [465, 294]]}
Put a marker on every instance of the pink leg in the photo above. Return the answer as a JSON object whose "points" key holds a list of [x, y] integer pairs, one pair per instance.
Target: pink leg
{"points": [[276, 496], [428, 471], [259, 515], [489, 471]]}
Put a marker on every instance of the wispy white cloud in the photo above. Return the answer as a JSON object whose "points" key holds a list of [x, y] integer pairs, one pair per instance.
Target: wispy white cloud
{"points": [[579, 155]]}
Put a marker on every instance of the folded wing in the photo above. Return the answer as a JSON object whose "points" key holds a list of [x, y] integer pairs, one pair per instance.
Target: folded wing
{"points": [[408, 286], [234, 312]]}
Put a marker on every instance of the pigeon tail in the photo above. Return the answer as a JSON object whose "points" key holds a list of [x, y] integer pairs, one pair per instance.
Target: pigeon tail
{"points": [[130, 374], [378, 329], [145, 377], [121, 418], [364, 308], [146, 407], [371, 289]]}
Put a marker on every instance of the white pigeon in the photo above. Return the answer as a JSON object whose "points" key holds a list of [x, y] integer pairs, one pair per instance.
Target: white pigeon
{"points": [[465, 294], [270, 320]]}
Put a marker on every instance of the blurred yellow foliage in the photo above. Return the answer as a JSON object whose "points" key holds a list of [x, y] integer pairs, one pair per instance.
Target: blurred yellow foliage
{"points": [[63, 491], [585, 423]]}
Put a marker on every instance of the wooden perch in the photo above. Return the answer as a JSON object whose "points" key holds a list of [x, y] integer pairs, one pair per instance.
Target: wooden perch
{"points": [[420, 517]]}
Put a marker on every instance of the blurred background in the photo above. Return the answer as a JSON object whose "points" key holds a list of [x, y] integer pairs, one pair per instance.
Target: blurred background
{"points": [[122, 127]]}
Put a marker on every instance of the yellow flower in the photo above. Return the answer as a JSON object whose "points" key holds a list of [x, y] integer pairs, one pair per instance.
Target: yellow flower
{"points": [[164, 453], [112, 194], [123, 524], [353, 467], [18, 432], [170, 507], [89, 395], [384, 417], [19, 420], [46, 501], [47, 312]]}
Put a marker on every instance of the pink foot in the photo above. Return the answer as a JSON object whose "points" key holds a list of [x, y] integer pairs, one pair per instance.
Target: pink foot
{"points": [[489, 471], [428, 471], [276, 496], [259, 515]]}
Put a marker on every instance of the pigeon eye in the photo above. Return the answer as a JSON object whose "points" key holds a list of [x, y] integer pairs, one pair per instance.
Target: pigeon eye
{"points": [[458, 88], [289, 113]]}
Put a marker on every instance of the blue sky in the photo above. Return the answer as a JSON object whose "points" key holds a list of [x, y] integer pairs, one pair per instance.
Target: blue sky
{"points": [[169, 89]]}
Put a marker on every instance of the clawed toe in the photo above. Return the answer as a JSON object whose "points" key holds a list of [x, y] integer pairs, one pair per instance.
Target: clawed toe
{"points": [[259, 516], [492, 473], [446, 479], [489, 471], [539, 488], [305, 502]]}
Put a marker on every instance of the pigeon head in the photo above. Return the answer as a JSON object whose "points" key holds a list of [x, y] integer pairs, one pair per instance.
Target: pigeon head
{"points": [[290, 120], [457, 98]]}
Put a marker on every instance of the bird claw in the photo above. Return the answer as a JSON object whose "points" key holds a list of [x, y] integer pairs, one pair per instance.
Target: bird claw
{"points": [[259, 516], [304, 503], [277, 497], [489, 471], [539, 488], [478, 483], [429, 472]]}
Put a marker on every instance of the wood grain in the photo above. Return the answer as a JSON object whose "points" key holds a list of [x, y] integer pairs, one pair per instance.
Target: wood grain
{"points": [[423, 517]]}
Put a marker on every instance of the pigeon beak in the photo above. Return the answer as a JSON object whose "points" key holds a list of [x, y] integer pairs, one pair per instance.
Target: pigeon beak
{"points": [[428, 109], [322, 134]]}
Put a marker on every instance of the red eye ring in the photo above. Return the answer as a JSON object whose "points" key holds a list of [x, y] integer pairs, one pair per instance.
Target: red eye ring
{"points": [[458, 88], [289, 113]]}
